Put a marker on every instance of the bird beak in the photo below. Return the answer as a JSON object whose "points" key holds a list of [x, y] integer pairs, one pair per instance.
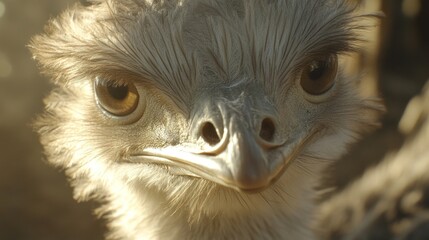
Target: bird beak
{"points": [[240, 160], [232, 144]]}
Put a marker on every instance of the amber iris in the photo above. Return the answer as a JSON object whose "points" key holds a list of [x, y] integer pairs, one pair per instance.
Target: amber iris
{"points": [[318, 76], [117, 99]]}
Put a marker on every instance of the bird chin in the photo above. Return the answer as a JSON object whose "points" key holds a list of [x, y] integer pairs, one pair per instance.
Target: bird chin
{"points": [[177, 171]]}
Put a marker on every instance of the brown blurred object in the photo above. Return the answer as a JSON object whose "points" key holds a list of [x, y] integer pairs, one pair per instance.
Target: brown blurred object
{"points": [[367, 58], [402, 68], [391, 201]]}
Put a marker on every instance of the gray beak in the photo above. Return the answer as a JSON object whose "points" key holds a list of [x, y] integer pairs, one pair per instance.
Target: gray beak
{"points": [[234, 148]]}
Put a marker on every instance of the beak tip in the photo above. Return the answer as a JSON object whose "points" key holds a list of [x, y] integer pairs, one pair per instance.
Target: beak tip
{"points": [[253, 182]]}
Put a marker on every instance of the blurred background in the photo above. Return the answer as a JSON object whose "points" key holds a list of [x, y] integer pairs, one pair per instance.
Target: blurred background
{"points": [[36, 200]]}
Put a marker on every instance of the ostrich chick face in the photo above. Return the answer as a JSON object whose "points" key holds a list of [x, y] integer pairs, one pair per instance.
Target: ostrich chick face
{"points": [[200, 97]]}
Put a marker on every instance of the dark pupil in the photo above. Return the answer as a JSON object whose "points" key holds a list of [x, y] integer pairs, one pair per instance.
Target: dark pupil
{"points": [[118, 92], [317, 69]]}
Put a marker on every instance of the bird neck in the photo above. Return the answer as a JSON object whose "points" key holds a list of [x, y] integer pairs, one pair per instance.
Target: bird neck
{"points": [[268, 215]]}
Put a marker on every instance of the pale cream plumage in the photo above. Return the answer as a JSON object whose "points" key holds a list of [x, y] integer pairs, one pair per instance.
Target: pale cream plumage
{"points": [[202, 119]]}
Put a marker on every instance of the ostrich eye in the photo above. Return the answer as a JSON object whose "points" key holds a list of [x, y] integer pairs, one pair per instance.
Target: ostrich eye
{"points": [[319, 75], [117, 99]]}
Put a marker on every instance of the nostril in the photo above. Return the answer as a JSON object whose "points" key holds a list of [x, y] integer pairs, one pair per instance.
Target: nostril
{"points": [[209, 134], [267, 130]]}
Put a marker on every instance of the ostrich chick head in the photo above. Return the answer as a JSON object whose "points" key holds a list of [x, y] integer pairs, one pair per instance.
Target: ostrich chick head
{"points": [[201, 117]]}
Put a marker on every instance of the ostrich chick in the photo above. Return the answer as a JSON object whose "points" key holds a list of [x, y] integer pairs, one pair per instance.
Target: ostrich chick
{"points": [[201, 119]]}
